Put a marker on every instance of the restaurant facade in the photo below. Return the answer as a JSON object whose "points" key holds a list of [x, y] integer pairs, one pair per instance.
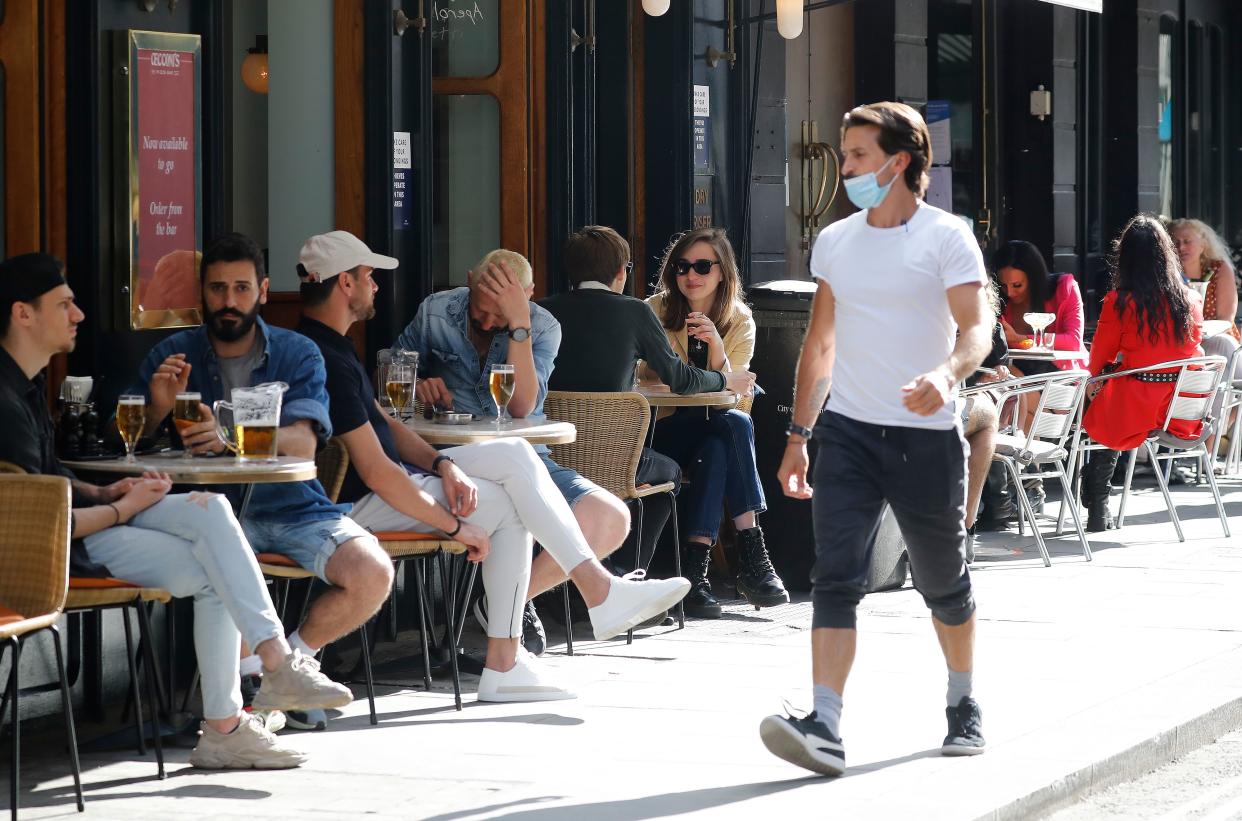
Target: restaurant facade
{"points": [[134, 131]]}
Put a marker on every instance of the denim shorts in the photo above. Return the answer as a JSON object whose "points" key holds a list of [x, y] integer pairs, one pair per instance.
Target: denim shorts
{"points": [[310, 544], [572, 485]]}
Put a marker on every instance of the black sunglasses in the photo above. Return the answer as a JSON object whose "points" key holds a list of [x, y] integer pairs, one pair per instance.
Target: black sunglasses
{"points": [[702, 267]]}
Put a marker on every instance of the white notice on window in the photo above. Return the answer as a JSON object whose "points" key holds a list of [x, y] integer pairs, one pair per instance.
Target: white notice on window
{"points": [[940, 192], [702, 101], [401, 150]]}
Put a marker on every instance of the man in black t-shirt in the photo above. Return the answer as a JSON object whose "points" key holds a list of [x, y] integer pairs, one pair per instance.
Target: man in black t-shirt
{"points": [[603, 335], [493, 496]]}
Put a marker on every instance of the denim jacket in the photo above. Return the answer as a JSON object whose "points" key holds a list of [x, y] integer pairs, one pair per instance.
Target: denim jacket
{"points": [[440, 333], [287, 357]]}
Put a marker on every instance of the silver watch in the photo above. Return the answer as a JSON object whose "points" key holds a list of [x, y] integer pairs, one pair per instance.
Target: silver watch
{"points": [[519, 334]]}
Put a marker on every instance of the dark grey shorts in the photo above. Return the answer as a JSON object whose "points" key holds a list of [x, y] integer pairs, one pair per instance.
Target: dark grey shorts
{"points": [[922, 476]]}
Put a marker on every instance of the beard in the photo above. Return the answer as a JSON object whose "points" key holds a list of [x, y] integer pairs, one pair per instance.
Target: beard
{"points": [[233, 331], [364, 311], [487, 333]]}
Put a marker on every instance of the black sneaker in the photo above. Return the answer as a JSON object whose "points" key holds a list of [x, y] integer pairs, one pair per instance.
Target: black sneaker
{"points": [[313, 720], [805, 742], [965, 729], [534, 639]]}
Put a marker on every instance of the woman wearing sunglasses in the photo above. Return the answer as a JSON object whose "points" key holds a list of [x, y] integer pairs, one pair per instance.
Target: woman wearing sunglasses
{"points": [[708, 325]]}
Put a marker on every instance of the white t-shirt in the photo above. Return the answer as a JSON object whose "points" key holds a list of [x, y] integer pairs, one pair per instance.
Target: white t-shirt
{"points": [[892, 316]]}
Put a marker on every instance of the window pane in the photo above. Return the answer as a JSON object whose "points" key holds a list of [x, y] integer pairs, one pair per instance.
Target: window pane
{"points": [[951, 79], [465, 37], [1166, 127], [3, 150], [466, 184], [1213, 134]]}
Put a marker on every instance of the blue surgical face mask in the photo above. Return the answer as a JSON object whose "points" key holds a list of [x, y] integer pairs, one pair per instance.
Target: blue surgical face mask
{"points": [[865, 190]]}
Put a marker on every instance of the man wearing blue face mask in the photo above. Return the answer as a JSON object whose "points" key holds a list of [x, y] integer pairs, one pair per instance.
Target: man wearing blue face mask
{"points": [[897, 282]]}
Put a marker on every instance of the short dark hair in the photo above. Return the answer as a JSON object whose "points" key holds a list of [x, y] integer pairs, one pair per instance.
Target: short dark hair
{"points": [[901, 129], [6, 317], [595, 254], [317, 293], [234, 247]]}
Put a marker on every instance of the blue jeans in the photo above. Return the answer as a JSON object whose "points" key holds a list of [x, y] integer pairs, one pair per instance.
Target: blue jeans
{"points": [[717, 453]]}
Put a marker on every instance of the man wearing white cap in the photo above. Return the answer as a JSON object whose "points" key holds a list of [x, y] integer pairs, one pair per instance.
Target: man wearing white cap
{"points": [[492, 496], [234, 348]]}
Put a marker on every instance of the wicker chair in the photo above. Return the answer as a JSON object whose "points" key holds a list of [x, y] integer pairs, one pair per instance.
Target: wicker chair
{"points": [[94, 595], [34, 573], [612, 429], [332, 463]]}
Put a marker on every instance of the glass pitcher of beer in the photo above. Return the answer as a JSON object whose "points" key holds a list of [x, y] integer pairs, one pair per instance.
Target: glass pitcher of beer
{"points": [[255, 414]]}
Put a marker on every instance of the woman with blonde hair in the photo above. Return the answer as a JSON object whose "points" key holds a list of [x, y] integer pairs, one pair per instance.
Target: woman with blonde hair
{"points": [[1205, 259], [700, 306]]}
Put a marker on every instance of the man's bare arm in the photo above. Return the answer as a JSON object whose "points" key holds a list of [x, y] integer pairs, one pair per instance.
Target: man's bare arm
{"points": [[814, 376]]}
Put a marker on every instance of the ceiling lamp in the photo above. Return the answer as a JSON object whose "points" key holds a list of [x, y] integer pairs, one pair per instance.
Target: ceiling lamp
{"points": [[655, 7], [789, 18], [254, 67]]}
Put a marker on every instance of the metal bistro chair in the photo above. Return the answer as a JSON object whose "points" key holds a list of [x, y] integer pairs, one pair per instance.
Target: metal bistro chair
{"points": [[1041, 452], [331, 465], [34, 575], [1197, 379], [1231, 389], [612, 429]]}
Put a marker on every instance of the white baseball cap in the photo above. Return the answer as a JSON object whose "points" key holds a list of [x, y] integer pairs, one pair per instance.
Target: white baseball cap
{"points": [[323, 256]]}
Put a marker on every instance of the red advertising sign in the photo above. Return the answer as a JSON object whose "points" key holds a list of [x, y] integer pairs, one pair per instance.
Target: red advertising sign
{"points": [[164, 179]]}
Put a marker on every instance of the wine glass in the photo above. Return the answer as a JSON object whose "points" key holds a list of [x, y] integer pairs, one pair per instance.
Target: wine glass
{"points": [[502, 381], [1039, 320], [399, 387], [186, 412], [131, 416]]}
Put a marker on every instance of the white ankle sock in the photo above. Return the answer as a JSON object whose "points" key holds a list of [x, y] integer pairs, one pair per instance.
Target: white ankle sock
{"points": [[297, 643], [828, 708], [252, 665]]}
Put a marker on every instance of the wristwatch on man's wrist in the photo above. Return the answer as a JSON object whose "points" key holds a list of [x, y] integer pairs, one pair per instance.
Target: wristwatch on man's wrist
{"points": [[794, 429], [435, 463], [519, 334]]}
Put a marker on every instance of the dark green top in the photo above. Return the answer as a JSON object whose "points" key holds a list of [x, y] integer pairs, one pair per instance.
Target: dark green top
{"points": [[603, 334]]}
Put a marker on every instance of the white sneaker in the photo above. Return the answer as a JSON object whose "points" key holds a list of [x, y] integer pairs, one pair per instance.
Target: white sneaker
{"points": [[631, 602], [524, 682], [250, 746]]}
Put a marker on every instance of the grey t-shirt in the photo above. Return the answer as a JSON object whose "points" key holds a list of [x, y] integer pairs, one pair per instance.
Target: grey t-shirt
{"points": [[236, 371]]}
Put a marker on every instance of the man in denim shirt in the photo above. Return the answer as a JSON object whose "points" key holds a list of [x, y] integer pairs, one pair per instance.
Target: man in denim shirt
{"points": [[459, 335], [234, 348]]}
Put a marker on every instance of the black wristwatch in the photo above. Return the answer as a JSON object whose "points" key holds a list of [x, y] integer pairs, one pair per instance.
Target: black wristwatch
{"points": [[794, 429], [435, 463], [519, 334]]}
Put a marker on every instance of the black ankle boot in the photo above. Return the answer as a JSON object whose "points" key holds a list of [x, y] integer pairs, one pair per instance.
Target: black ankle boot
{"points": [[699, 602], [998, 500], [1096, 482], [756, 580]]}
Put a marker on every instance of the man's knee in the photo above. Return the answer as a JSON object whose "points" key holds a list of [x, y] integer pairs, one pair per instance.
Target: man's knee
{"points": [[954, 610], [604, 520], [361, 568], [835, 605]]}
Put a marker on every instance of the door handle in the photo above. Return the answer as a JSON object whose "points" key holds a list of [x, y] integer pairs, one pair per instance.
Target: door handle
{"points": [[816, 199]]}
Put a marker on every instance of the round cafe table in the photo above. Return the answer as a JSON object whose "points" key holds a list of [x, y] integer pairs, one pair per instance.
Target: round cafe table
{"points": [[661, 396], [1213, 327], [535, 431]]}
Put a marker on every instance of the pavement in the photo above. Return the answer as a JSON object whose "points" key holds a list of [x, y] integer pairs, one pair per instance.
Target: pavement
{"points": [[1089, 673]]}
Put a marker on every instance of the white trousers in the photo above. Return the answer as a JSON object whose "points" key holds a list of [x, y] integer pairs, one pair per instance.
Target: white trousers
{"points": [[517, 500]]}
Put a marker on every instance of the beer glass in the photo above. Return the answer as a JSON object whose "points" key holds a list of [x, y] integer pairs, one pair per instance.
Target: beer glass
{"points": [[501, 381], [131, 416], [383, 358], [399, 387], [256, 416], [186, 412]]}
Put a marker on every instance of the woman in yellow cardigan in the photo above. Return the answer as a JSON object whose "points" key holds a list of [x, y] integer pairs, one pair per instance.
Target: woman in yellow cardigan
{"points": [[709, 326]]}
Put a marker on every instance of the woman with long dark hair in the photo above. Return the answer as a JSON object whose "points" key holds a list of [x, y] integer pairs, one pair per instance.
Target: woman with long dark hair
{"points": [[700, 306], [1028, 287], [1149, 317]]}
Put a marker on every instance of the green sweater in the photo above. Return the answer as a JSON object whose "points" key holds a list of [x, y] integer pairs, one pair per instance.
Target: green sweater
{"points": [[603, 335]]}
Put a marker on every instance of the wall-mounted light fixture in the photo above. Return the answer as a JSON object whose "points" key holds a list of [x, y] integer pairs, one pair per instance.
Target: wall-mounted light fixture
{"points": [[789, 18], [254, 67], [655, 7]]}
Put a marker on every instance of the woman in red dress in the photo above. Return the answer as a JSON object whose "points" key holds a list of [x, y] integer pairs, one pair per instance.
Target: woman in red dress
{"points": [[1149, 317]]}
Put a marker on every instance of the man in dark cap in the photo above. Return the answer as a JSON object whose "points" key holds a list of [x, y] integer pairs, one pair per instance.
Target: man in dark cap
{"points": [[188, 544]]}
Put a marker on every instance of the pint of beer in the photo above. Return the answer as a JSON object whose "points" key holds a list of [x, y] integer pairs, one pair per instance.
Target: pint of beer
{"points": [[255, 416], [187, 412], [501, 381], [131, 416]]}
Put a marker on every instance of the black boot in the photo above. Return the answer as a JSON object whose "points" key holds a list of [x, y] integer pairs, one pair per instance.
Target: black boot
{"points": [[756, 580], [699, 602], [1096, 482], [1035, 495], [998, 501]]}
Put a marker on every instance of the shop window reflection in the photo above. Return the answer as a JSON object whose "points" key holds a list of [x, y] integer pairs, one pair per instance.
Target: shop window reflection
{"points": [[1166, 126], [952, 78], [465, 37], [3, 152], [466, 183]]}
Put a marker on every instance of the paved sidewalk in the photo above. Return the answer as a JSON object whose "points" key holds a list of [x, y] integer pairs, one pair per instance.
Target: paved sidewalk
{"points": [[1088, 673]]}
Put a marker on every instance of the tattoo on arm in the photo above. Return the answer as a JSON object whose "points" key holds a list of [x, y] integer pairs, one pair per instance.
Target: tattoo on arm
{"points": [[819, 395]]}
